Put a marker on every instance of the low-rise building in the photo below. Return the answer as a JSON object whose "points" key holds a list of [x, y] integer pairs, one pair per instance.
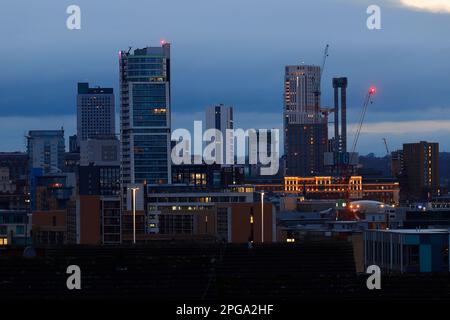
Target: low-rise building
{"points": [[15, 227], [355, 188], [407, 250], [232, 215]]}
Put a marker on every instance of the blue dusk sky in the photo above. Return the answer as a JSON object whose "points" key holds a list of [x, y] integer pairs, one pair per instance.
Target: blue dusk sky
{"points": [[232, 52]]}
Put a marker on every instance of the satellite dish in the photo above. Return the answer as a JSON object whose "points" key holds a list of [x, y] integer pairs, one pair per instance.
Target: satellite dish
{"points": [[29, 253]]}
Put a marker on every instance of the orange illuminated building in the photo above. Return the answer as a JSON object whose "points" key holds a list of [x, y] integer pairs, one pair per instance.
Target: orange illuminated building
{"points": [[327, 187]]}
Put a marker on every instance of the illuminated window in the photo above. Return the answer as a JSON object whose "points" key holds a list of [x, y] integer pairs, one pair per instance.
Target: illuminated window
{"points": [[159, 110]]}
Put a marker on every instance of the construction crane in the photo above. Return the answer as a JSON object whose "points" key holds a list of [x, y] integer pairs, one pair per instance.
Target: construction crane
{"points": [[346, 176], [386, 145], [317, 82], [367, 99]]}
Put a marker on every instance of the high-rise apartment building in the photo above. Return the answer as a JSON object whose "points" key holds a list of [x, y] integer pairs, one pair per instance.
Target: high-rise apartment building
{"points": [[95, 112], [305, 126], [46, 150], [421, 169], [220, 117], [145, 115]]}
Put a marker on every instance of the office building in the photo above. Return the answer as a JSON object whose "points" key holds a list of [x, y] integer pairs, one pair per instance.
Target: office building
{"points": [[95, 112], [13, 192], [407, 250], [46, 153], [207, 176], [17, 163], [15, 228], [421, 170], [52, 205], [145, 115], [73, 144], [220, 117], [327, 187], [305, 126], [53, 192], [100, 151], [71, 162], [427, 216], [46, 150], [98, 217], [100, 167], [185, 212], [14, 188]]}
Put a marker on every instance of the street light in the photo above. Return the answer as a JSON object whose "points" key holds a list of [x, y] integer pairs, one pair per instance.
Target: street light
{"points": [[262, 217], [134, 212]]}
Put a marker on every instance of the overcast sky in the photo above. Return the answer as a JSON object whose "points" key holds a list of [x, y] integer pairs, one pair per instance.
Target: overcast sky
{"points": [[232, 52]]}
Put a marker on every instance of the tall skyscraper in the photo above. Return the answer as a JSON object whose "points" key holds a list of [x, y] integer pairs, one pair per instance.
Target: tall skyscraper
{"points": [[46, 150], [305, 126], [95, 112], [220, 117], [145, 115], [421, 170]]}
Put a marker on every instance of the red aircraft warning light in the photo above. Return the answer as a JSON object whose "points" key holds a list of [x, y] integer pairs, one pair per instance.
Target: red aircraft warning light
{"points": [[372, 90]]}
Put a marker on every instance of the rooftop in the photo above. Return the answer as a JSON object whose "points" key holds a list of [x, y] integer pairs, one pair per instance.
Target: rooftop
{"points": [[414, 231]]}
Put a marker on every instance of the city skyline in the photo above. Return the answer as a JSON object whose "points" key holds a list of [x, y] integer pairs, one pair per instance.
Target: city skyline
{"points": [[386, 58], [266, 152]]}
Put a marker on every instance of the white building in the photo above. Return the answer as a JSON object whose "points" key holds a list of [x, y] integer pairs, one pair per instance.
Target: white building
{"points": [[95, 112], [300, 84]]}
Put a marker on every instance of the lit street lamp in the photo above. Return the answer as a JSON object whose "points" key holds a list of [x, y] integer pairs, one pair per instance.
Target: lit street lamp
{"points": [[133, 190], [262, 217]]}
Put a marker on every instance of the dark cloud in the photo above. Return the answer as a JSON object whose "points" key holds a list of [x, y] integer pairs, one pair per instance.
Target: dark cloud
{"points": [[227, 51]]}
